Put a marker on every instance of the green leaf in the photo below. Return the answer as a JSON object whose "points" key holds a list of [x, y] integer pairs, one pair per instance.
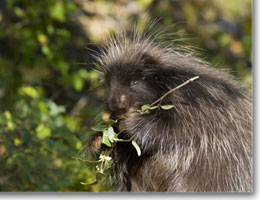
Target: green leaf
{"points": [[105, 132], [19, 12], [90, 183], [46, 51], [57, 12], [72, 123], [99, 127], [136, 146], [42, 131], [55, 109], [88, 162], [167, 107], [111, 133], [8, 115], [83, 73], [105, 138], [145, 107], [17, 142], [106, 141], [104, 125], [42, 39], [93, 77], [153, 107], [115, 137], [78, 145], [99, 175], [78, 82], [107, 164], [110, 122], [29, 91], [145, 112], [43, 107]]}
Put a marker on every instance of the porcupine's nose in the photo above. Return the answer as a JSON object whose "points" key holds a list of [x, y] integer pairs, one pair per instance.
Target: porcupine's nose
{"points": [[118, 102]]}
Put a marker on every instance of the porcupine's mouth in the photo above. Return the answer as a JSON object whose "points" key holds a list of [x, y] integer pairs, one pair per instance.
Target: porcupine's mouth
{"points": [[121, 114], [119, 118], [117, 115]]}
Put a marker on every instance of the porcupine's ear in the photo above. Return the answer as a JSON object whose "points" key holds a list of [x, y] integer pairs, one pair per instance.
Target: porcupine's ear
{"points": [[148, 60]]}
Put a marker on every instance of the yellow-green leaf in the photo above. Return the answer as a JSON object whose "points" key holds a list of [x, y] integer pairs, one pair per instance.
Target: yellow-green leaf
{"points": [[29, 91], [17, 142], [153, 107], [99, 127], [88, 162], [105, 138], [58, 12], [99, 175], [167, 107], [136, 146], [111, 133], [42, 131], [78, 145], [145, 107]]}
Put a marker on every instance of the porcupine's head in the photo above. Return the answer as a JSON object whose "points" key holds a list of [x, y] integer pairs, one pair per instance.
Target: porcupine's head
{"points": [[136, 73]]}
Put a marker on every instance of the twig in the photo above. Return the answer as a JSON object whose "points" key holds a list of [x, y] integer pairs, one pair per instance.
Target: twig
{"points": [[102, 162], [159, 101]]}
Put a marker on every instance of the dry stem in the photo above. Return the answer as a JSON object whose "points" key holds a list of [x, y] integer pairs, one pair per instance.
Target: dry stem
{"points": [[159, 101]]}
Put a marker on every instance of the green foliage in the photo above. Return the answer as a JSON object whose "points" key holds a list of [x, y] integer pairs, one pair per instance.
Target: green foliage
{"points": [[110, 139], [39, 137], [36, 148]]}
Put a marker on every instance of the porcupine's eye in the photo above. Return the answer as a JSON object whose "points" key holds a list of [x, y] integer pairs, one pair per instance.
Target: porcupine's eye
{"points": [[137, 80], [134, 83]]}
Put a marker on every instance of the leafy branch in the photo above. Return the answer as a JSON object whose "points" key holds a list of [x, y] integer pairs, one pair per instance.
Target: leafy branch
{"points": [[110, 137], [157, 104]]}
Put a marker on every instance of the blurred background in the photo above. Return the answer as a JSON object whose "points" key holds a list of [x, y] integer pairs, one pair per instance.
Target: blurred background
{"points": [[49, 91]]}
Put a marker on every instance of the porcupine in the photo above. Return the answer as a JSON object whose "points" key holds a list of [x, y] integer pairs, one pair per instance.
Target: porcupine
{"points": [[203, 144]]}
